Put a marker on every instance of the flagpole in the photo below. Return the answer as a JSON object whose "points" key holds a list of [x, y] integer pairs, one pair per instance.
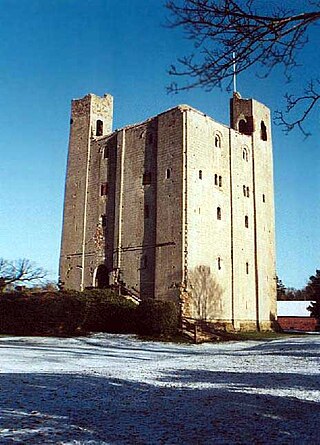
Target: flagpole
{"points": [[234, 73]]}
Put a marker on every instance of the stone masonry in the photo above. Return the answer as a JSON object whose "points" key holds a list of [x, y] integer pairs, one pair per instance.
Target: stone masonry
{"points": [[179, 207]]}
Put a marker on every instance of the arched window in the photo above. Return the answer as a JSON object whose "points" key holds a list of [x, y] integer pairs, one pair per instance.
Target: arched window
{"points": [[217, 140], [245, 156], [219, 213], [242, 126], [102, 279], [99, 128], [263, 131]]}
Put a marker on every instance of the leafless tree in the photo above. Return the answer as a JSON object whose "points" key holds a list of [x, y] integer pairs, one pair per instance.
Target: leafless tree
{"points": [[264, 34], [18, 272]]}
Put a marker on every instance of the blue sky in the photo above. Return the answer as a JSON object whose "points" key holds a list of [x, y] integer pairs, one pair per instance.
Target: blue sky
{"points": [[53, 51]]}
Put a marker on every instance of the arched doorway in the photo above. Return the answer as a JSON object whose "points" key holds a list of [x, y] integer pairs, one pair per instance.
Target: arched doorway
{"points": [[102, 278]]}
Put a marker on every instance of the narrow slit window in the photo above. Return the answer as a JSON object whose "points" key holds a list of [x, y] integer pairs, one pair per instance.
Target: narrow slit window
{"points": [[215, 179], [247, 268], [244, 190], [263, 131], [99, 128], [245, 154], [263, 198], [146, 178], [246, 221], [104, 189], [217, 141], [168, 173], [219, 213], [248, 193], [106, 153], [200, 174], [219, 263], [220, 181], [104, 221]]}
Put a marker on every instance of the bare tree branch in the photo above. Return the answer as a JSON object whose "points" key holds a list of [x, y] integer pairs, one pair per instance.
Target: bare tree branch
{"points": [[219, 28], [19, 272]]}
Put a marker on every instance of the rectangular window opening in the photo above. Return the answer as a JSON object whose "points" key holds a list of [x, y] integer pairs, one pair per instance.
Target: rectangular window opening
{"points": [[146, 178], [104, 189]]}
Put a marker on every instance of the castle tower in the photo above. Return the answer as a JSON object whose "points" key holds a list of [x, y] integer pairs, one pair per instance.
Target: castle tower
{"points": [[179, 207], [252, 122], [91, 117]]}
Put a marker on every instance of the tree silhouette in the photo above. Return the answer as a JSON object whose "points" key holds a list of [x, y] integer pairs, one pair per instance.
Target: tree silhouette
{"points": [[19, 272], [205, 294], [239, 34]]}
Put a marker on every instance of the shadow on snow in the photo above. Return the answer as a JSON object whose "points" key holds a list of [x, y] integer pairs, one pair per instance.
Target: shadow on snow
{"points": [[69, 408]]}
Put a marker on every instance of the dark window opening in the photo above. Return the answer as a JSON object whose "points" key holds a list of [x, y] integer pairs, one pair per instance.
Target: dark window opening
{"points": [[219, 263], [247, 268], [244, 190], [220, 181], [146, 211], [263, 198], [146, 178], [245, 126], [263, 131], [248, 193], [71, 121], [242, 126], [168, 173], [104, 220], [106, 153], [246, 221], [104, 189], [219, 213], [200, 174], [99, 129], [245, 154], [217, 141], [216, 179]]}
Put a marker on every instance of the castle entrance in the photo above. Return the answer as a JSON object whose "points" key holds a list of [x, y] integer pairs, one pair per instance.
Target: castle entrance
{"points": [[102, 277]]}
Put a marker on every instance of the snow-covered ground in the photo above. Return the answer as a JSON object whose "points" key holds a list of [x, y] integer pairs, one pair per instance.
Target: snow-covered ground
{"points": [[115, 389]]}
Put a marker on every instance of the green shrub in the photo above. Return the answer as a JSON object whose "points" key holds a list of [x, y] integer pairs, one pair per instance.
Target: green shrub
{"points": [[108, 312], [68, 313], [157, 318]]}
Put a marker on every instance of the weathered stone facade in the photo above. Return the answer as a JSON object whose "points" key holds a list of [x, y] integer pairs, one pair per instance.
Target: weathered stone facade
{"points": [[179, 207]]}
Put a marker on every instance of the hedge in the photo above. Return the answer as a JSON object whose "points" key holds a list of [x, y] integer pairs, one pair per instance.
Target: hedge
{"points": [[68, 313]]}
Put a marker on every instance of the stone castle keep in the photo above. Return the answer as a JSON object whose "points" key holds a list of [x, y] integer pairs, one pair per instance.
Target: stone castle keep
{"points": [[179, 207]]}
